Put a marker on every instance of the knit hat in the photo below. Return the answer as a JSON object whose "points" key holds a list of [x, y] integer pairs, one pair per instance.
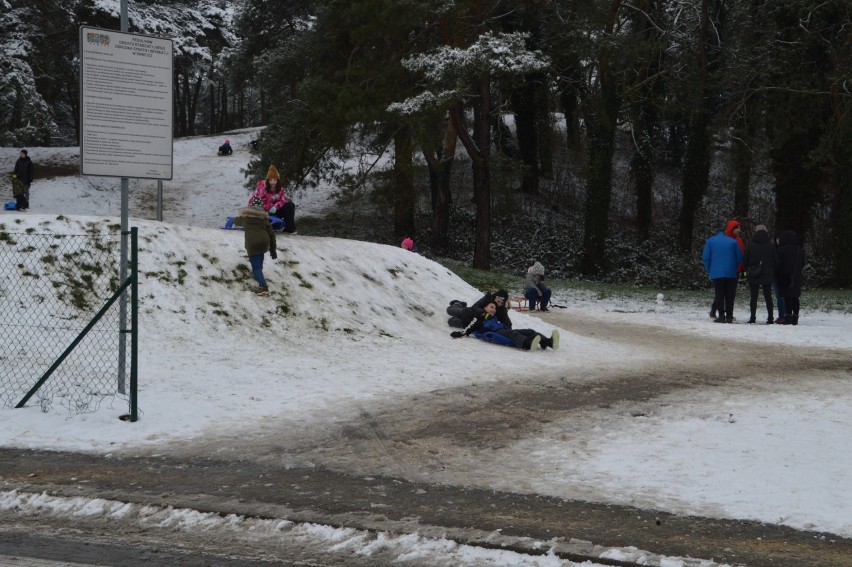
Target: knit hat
{"points": [[502, 293], [25, 152], [537, 269], [760, 227], [272, 173], [256, 203], [407, 243], [227, 141]]}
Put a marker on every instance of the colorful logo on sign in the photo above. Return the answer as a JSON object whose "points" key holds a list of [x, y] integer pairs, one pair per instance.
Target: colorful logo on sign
{"points": [[97, 38]]}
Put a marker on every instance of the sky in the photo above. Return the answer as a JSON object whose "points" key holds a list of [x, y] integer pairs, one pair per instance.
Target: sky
{"points": [[367, 324]]}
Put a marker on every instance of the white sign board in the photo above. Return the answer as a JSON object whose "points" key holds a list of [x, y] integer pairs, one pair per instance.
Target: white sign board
{"points": [[126, 116]]}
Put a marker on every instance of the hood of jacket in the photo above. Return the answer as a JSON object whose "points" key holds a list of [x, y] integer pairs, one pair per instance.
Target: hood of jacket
{"points": [[761, 237], [537, 269], [729, 228], [787, 237], [252, 212]]}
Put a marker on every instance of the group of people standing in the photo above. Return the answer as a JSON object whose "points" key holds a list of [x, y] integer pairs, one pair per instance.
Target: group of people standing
{"points": [[766, 264]]}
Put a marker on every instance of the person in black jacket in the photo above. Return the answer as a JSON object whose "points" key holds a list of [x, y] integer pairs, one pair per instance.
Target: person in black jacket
{"points": [[791, 263], [760, 260], [226, 149], [461, 315], [22, 177], [487, 327]]}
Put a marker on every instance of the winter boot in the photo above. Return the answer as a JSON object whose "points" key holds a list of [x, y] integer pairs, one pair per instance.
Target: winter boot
{"points": [[554, 340], [770, 321], [720, 319], [456, 322], [261, 291], [794, 319], [534, 343]]}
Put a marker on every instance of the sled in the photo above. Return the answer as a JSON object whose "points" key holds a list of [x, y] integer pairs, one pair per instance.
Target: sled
{"points": [[278, 225]]}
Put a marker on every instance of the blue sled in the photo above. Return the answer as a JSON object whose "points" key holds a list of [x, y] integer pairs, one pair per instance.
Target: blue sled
{"points": [[277, 224]]}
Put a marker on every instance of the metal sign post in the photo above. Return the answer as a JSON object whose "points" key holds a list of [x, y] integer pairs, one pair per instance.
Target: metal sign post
{"points": [[126, 120]]}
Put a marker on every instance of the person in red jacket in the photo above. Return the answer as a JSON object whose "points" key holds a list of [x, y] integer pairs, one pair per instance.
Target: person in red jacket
{"points": [[734, 230]]}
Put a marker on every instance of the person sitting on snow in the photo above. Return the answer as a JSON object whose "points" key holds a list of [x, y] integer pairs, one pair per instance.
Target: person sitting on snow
{"points": [[271, 193], [536, 292], [488, 328], [461, 315], [225, 149]]}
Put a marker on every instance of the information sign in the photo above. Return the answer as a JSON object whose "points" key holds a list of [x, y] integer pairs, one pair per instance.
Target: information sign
{"points": [[126, 106]]}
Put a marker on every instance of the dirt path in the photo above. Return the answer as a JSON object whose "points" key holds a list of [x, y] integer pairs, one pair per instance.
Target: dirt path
{"points": [[432, 463]]}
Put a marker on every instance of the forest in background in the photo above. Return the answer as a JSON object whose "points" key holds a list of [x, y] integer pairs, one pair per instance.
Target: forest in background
{"points": [[609, 138]]}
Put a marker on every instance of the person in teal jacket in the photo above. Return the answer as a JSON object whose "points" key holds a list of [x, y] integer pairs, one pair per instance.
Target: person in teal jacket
{"points": [[722, 257]]}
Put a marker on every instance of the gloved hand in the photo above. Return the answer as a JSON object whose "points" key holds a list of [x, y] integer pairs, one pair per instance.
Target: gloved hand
{"points": [[272, 210], [273, 254], [457, 334]]}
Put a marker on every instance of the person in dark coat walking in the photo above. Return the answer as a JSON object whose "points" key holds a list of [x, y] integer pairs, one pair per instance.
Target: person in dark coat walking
{"points": [[22, 178], [760, 260], [791, 263]]}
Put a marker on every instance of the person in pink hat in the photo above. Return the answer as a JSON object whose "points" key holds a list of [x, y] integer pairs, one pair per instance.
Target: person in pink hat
{"points": [[408, 244]]}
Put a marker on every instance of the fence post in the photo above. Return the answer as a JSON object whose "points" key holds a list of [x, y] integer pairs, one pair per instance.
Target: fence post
{"points": [[134, 322]]}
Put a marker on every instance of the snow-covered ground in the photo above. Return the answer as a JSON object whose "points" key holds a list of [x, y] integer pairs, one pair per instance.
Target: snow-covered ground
{"points": [[367, 324]]}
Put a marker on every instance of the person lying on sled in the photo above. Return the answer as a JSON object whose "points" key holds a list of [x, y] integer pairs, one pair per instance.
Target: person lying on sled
{"points": [[487, 327], [461, 315]]}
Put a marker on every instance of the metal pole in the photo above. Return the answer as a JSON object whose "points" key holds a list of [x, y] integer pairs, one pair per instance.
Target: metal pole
{"points": [[134, 322], [159, 199], [122, 304]]}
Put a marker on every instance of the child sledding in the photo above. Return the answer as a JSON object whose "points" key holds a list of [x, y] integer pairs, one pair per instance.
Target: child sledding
{"points": [[487, 326], [461, 315], [281, 211]]}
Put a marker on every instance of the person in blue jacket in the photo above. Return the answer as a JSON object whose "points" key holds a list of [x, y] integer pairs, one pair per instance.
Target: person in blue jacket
{"points": [[487, 326], [722, 257]]}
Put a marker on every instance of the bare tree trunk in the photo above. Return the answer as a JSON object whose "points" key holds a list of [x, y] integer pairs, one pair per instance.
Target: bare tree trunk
{"points": [[601, 129], [193, 105], [696, 170], [440, 165], [525, 103], [404, 197], [645, 112], [478, 148]]}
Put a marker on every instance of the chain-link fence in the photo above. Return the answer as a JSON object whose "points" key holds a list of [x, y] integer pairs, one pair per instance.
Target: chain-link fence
{"points": [[52, 287]]}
